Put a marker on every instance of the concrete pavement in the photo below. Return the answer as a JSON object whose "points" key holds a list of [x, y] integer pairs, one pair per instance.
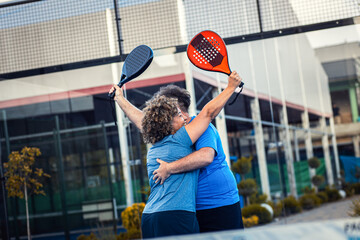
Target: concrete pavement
{"points": [[327, 211]]}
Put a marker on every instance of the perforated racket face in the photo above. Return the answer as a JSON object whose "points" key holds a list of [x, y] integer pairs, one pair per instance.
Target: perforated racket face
{"points": [[136, 63], [207, 50]]}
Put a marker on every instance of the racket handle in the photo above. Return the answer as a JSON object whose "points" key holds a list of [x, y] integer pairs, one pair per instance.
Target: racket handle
{"points": [[112, 95], [241, 86]]}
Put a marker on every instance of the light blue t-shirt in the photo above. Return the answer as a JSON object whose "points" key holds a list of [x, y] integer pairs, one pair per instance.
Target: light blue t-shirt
{"points": [[216, 185], [179, 190]]}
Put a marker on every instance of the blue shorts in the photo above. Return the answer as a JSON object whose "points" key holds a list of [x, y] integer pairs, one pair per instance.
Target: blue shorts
{"points": [[168, 223]]}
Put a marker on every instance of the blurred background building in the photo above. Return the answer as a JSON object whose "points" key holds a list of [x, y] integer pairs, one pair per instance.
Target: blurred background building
{"points": [[339, 54], [58, 59]]}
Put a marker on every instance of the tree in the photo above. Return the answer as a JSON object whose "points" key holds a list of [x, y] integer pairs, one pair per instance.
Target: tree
{"points": [[242, 166], [314, 162], [22, 179], [247, 187], [317, 180]]}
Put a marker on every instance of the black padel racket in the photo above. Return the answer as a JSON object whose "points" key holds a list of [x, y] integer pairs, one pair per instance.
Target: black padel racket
{"points": [[207, 51], [135, 64]]}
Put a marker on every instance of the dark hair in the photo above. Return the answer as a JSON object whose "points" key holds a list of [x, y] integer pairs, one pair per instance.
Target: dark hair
{"points": [[180, 94], [158, 116]]}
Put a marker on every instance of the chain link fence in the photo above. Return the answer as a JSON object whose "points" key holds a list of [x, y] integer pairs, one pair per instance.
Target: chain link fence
{"points": [[39, 34]]}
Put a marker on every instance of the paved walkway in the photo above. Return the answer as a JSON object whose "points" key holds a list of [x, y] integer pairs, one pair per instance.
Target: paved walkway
{"points": [[328, 211]]}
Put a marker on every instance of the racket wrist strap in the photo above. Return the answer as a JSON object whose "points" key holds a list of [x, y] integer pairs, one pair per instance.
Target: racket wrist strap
{"points": [[113, 113], [241, 88]]}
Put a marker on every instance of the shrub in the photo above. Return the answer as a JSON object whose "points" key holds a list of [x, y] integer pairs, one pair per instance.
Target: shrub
{"points": [[309, 201], [317, 180], [131, 219], [291, 205], [130, 234], [242, 166], [314, 162], [356, 172], [92, 236], [355, 208], [333, 194], [350, 192], [308, 190], [277, 207], [247, 187], [258, 198], [323, 196], [101, 234], [356, 187], [145, 190], [349, 189], [251, 221], [255, 209]]}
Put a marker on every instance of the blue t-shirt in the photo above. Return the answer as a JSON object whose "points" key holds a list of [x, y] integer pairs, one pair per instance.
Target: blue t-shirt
{"points": [[179, 190], [216, 185]]}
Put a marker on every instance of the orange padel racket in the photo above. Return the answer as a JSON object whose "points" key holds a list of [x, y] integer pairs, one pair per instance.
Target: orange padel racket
{"points": [[207, 51]]}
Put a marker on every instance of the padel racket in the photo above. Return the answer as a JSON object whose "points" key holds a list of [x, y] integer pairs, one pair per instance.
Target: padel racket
{"points": [[135, 64], [207, 51]]}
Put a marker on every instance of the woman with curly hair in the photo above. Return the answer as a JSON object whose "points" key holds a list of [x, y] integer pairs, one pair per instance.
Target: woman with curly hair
{"points": [[170, 209]]}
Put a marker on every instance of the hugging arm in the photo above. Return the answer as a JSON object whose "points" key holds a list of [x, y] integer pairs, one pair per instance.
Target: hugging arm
{"points": [[201, 158]]}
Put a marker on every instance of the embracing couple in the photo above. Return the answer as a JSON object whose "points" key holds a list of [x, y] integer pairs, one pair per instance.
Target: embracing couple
{"points": [[192, 187]]}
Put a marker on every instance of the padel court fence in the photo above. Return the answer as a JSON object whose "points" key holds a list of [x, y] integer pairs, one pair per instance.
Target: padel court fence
{"points": [[47, 36]]}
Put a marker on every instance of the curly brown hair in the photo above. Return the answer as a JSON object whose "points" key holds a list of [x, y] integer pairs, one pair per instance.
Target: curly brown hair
{"points": [[180, 94], [158, 115]]}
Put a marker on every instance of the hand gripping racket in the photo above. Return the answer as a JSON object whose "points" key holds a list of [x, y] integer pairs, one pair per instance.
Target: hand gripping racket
{"points": [[207, 51], [135, 64]]}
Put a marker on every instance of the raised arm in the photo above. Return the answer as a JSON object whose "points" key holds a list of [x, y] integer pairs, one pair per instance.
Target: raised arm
{"points": [[197, 126], [133, 113], [195, 160]]}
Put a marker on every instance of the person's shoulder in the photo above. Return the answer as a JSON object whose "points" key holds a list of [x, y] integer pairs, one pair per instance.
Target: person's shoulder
{"points": [[211, 126], [182, 135]]}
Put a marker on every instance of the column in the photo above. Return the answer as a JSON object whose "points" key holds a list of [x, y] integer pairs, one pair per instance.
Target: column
{"points": [[325, 144], [308, 141], [296, 145], [260, 147], [356, 140], [124, 148], [285, 138], [353, 104], [335, 150]]}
